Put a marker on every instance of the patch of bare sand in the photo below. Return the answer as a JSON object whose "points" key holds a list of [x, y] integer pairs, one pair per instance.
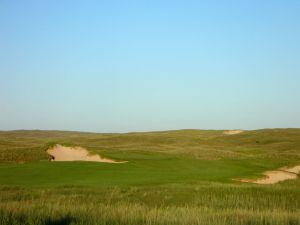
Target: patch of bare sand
{"points": [[232, 132], [62, 153], [275, 176], [295, 169]]}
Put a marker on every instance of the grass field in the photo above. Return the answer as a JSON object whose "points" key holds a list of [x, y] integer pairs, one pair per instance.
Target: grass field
{"points": [[172, 177]]}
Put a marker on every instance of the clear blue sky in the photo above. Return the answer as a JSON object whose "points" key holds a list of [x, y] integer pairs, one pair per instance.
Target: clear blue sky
{"points": [[118, 66]]}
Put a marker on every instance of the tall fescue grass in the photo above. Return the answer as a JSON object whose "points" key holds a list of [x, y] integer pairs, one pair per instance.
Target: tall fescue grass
{"points": [[209, 204], [135, 214], [277, 144]]}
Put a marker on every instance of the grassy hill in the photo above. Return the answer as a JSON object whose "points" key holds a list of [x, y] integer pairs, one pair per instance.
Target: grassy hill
{"points": [[172, 177], [199, 144]]}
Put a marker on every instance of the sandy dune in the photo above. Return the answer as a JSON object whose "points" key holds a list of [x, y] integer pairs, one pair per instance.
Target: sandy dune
{"points": [[275, 176], [62, 153], [231, 132]]}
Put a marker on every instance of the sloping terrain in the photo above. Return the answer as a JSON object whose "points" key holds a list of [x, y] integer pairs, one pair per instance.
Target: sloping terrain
{"points": [[172, 177], [272, 144]]}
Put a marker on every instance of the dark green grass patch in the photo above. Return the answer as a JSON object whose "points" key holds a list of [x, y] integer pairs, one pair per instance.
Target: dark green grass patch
{"points": [[149, 171]]}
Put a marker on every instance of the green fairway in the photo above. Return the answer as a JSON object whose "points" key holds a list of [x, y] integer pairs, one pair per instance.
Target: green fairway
{"points": [[140, 172], [168, 175]]}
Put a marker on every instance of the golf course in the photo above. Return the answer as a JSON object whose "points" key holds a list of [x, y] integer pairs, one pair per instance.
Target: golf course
{"points": [[167, 177], [149, 112]]}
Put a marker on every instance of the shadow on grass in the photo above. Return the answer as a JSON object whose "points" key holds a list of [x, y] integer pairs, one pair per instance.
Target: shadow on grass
{"points": [[61, 221]]}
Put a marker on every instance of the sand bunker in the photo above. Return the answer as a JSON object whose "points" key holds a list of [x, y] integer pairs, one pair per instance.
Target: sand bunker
{"points": [[231, 132], [275, 176], [62, 153], [295, 169]]}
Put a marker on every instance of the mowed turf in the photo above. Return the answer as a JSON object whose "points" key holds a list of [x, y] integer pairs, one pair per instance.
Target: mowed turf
{"points": [[172, 177], [140, 172]]}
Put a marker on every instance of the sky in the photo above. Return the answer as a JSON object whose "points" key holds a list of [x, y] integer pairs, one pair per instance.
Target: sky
{"points": [[121, 66]]}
